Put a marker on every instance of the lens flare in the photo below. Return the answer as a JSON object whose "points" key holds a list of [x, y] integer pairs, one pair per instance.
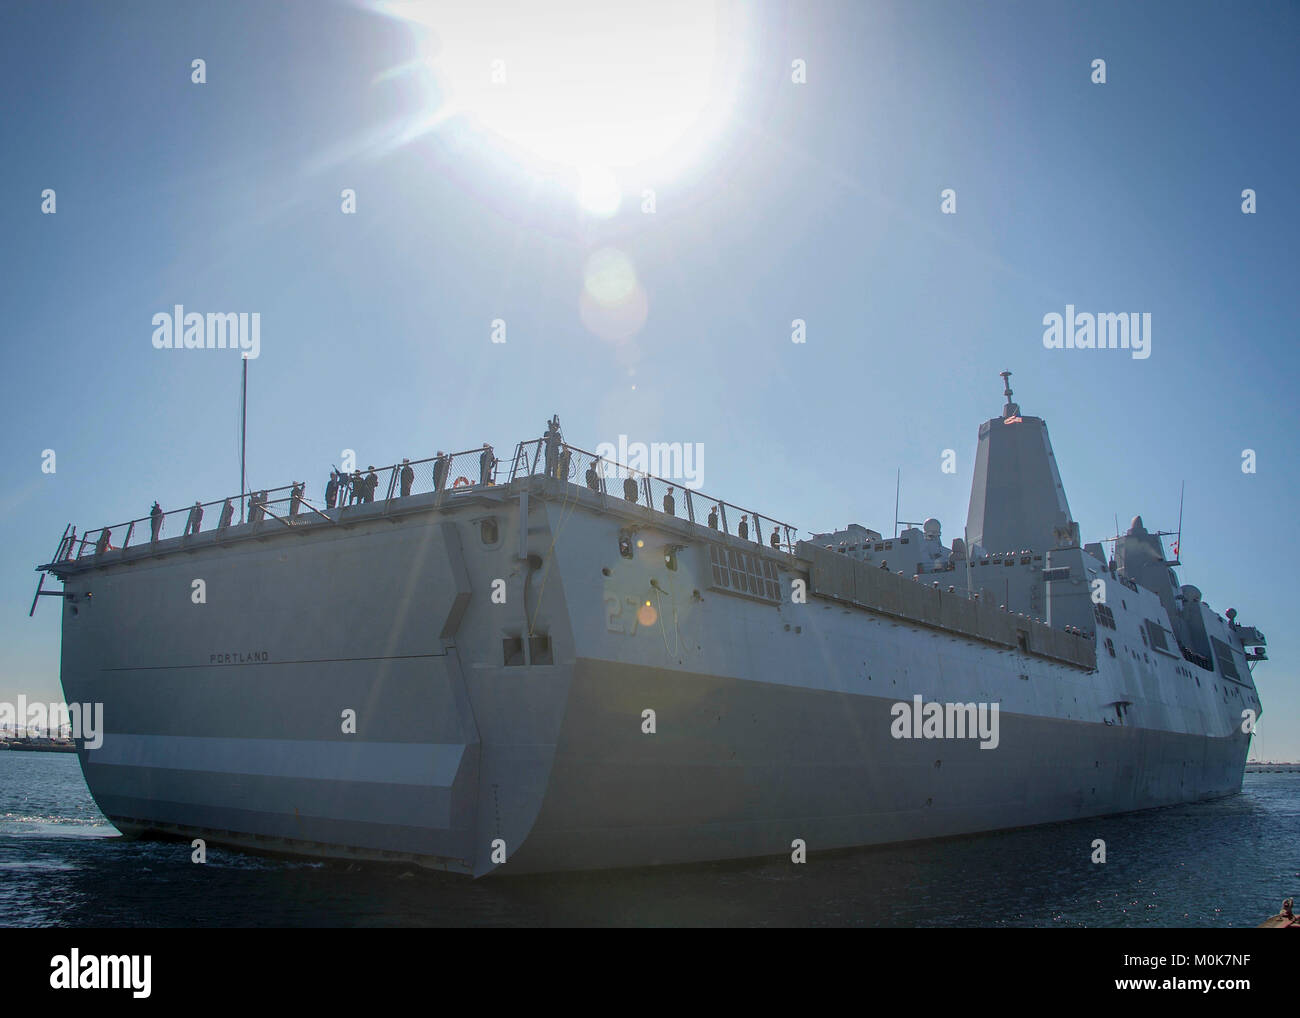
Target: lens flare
{"points": [[612, 305], [610, 276], [598, 191]]}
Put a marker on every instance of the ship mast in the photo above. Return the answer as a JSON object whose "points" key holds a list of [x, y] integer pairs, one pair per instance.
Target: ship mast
{"points": [[1010, 410]]}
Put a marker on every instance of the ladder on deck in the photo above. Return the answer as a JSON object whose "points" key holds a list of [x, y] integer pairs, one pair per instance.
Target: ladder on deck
{"points": [[68, 536]]}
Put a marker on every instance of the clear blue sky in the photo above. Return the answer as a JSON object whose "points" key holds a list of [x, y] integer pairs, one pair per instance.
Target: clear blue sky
{"points": [[817, 201]]}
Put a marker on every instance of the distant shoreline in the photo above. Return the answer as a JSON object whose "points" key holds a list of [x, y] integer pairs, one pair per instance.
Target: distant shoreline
{"points": [[46, 745], [67, 746], [37, 746]]}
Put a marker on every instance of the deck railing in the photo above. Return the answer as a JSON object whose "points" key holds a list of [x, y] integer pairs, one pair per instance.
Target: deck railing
{"points": [[290, 505], [656, 494], [453, 473]]}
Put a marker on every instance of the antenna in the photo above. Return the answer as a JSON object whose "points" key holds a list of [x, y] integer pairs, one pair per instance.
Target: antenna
{"points": [[1178, 544], [243, 435], [898, 481], [1010, 410], [1177, 535]]}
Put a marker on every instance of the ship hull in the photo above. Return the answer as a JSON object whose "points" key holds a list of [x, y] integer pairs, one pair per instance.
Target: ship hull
{"points": [[735, 769], [360, 691], [739, 768]]}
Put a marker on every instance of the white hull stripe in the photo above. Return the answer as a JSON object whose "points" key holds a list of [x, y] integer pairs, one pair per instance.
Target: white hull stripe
{"points": [[395, 763]]}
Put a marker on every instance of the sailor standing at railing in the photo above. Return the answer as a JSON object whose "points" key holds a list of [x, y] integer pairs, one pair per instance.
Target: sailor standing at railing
{"points": [[372, 482], [195, 518], [408, 477], [440, 467], [355, 485], [155, 521], [562, 467], [227, 514], [486, 462], [552, 441], [295, 497], [332, 489], [593, 475]]}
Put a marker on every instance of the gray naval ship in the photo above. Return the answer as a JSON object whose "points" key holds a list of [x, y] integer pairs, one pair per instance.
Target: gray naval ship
{"points": [[561, 662]]}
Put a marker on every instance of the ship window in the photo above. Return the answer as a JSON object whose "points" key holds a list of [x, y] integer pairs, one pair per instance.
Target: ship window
{"points": [[1157, 635], [488, 531], [670, 559], [1226, 663], [539, 649], [512, 648], [742, 572], [1110, 647], [904, 540]]}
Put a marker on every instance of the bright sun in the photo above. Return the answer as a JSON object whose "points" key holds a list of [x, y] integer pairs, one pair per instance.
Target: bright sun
{"points": [[596, 88]]}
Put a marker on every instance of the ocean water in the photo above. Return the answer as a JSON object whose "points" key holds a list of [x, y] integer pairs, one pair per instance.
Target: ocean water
{"points": [[1224, 863]]}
